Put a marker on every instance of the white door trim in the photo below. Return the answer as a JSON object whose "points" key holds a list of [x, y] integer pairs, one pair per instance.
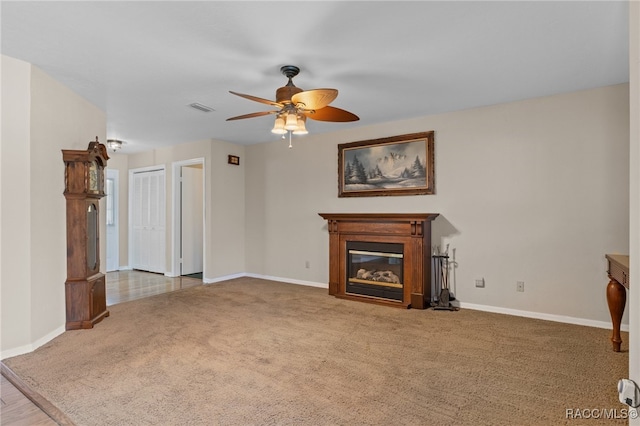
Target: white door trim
{"points": [[175, 214], [115, 236]]}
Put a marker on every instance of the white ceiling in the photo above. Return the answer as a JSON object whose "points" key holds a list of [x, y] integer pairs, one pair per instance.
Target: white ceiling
{"points": [[144, 62]]}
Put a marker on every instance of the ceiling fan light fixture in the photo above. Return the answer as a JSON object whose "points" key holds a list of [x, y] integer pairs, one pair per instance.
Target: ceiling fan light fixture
{"points": [[292, 121], [278, 127], [302, 128]]}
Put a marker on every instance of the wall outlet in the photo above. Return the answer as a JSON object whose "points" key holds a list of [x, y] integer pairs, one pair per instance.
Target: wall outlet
{"points": [[520, 286], [480, 282], [307, 264]]}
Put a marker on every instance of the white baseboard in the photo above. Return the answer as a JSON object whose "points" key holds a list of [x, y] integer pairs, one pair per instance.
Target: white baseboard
{"points": [[224, 278], [120, 268], [264, 277], [33, 346], [289, 280], [538, 315]]}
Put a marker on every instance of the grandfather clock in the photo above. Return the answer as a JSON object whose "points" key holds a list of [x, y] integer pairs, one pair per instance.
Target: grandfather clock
{"points": [[83, 188]]}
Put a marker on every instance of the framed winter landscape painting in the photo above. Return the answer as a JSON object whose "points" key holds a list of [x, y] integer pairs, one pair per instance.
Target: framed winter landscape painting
{"points": [[397, 165]]}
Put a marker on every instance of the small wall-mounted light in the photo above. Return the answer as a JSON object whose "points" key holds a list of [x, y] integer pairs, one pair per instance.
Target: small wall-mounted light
{"points": [[234, 159]]}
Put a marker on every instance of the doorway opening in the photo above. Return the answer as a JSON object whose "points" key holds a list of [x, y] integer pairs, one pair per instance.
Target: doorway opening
{"points": [[188, 251]]}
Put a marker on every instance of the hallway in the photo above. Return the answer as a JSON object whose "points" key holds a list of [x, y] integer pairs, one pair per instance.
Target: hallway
{"points": [[123, 286]]}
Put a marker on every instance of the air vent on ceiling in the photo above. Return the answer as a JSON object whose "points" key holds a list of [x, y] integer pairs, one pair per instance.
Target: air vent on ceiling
{"points": [[201, 107]]}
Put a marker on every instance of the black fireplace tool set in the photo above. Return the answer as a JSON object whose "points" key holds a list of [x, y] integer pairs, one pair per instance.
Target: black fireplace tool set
{"points": [[441, 279]]}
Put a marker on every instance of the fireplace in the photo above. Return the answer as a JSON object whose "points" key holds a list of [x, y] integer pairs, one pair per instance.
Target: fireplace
{"points": [[375, 269], [381, 258]]}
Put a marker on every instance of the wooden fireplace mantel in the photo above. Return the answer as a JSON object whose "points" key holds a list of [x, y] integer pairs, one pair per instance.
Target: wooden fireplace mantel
{"points": [[412, 230]]}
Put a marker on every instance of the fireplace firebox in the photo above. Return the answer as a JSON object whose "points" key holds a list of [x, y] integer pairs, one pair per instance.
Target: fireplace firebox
{"points": [[375, 269], [381, 258]]}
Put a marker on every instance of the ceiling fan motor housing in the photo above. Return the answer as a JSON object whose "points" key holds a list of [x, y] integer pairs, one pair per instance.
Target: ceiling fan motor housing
{"points": [[284, 94]]}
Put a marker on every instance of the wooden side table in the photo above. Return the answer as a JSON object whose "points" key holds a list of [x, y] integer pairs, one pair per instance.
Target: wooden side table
{"points": [[618, 270]]}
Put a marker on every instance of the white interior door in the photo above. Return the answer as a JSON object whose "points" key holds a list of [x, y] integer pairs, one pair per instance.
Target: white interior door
{"points": [[191, 219], [148, 221], [111, 214]]}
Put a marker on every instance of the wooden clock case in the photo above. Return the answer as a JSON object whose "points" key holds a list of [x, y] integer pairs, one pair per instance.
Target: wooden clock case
{"points": [[85, 291]]}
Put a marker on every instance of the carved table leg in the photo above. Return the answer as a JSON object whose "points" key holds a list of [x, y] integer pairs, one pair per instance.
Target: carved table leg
{"points": [[616, 298]]}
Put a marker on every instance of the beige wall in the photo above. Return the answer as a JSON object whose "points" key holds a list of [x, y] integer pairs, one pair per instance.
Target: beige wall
{"points": [[34, 212], [634, 194], [15, 206], [224, 201], [60, 119], [533, 191]]}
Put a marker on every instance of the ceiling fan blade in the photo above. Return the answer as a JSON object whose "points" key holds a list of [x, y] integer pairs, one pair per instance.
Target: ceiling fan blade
{"points": [[257, 99], [332, 114], [314, 99], [253, 114]]}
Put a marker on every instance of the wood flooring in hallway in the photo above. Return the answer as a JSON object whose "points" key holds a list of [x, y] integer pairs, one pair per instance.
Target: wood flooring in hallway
{"points": [[123, 286]]}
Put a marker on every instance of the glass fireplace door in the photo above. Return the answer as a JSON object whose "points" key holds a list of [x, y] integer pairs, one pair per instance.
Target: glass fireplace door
{"points": [[375, 269]]}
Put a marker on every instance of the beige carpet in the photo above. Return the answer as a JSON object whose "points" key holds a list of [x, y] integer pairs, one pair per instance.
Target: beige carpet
{"points": [[256, 352]]}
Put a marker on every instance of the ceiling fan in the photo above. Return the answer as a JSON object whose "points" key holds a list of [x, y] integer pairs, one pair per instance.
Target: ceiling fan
{"points": [[296, 105]]}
